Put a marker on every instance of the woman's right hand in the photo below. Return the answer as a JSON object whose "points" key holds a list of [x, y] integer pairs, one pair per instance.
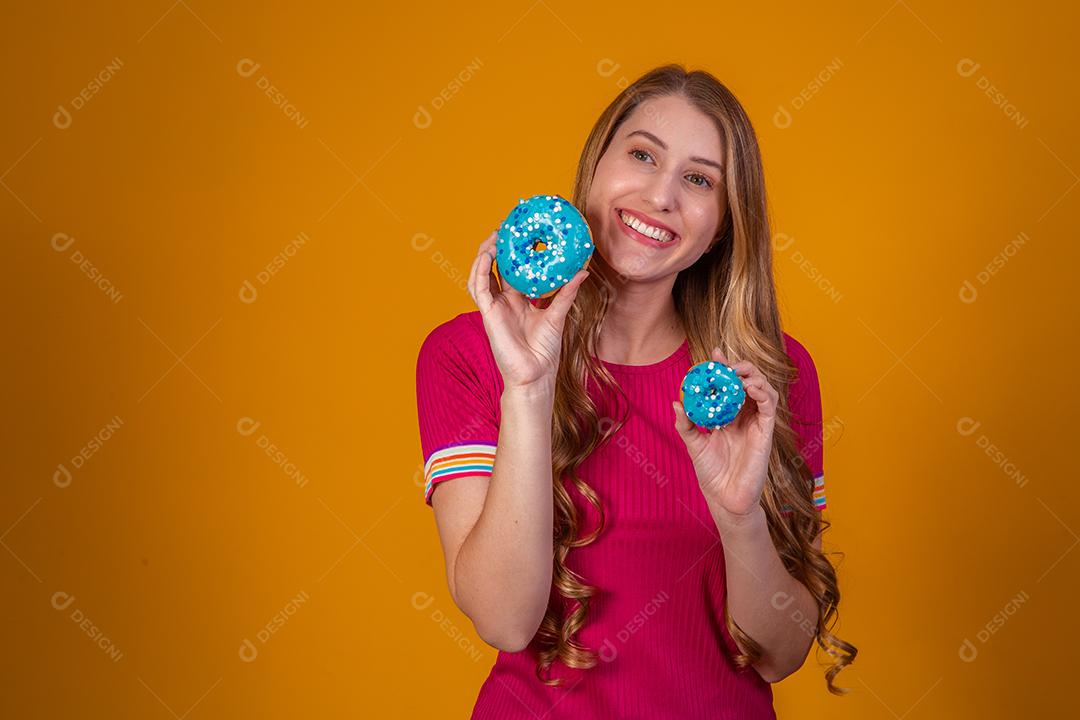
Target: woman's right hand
{"points": [[525, 340]]}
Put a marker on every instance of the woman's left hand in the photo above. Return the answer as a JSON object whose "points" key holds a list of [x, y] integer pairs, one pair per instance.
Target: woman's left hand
{"points": [[732, 462]]}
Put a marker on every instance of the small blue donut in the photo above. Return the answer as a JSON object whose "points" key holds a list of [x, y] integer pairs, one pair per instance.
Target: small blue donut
{"points": [[712, 394], [542, 244]]}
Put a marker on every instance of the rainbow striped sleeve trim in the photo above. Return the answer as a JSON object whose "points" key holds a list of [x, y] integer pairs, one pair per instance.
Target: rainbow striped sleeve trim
{"points": [[819, 495], [457, 461]]}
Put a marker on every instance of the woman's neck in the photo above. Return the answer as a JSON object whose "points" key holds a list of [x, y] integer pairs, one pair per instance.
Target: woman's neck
{"points": [[641, 325]]}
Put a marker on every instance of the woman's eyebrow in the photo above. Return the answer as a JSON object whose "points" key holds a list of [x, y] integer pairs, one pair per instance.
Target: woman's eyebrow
{"points": [[663, 145]]}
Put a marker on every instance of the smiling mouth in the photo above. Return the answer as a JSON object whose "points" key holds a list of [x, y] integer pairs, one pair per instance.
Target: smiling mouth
{"points": [[644, 231]]}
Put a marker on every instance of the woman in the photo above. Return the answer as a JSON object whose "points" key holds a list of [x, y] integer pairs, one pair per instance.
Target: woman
{"points": [[624, 562]]}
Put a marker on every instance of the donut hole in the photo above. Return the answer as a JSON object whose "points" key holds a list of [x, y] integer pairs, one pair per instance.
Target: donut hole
{"points": [[539, 246]]}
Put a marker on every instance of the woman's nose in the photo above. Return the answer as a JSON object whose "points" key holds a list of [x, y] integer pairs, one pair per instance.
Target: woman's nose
{"points": [[661, 193]]}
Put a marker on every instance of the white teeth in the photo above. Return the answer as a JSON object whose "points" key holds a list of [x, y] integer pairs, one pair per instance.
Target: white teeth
{"points": [[649, 230]]}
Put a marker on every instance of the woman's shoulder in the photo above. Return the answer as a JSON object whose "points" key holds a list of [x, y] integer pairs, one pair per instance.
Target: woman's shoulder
{"points": [[464, 329], [460, 341], [798, 352], [805, 381], [804, 389]]}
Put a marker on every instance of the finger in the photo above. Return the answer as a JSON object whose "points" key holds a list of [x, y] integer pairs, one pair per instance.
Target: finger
{"points": [[766, 404], [751, 374], [513, 296], [756, 381], [483, 274], [471, 284], [683, 423], [494, 280], [686, 428], [744, 367], [482, 281], [487, 245], [511, 291], [491, 245], [565, 297], [747, 371]]}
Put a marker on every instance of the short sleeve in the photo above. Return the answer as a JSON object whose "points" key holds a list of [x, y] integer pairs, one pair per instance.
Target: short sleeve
{"points": [[456, 403], [804, 401]]}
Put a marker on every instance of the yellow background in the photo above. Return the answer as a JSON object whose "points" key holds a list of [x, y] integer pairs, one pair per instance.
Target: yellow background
{"points": [[179, 179]]}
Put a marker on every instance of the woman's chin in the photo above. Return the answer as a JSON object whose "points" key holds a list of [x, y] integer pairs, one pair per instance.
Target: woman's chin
{"points": [[630, 264]]}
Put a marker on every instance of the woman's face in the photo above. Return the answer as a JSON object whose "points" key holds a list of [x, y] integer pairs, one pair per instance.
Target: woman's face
{"points": [[662, 168]]}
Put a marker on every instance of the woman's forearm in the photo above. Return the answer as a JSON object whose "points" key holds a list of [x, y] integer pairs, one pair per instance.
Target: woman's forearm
{"points": [[502, 574], [768, 604]]}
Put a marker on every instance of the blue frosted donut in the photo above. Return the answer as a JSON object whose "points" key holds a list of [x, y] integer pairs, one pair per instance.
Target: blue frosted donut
{"points": [[542, 244], [712, 394]]}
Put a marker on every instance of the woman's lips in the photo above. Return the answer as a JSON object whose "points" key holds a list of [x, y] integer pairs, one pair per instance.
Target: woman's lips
{"points": [[635, 235]]}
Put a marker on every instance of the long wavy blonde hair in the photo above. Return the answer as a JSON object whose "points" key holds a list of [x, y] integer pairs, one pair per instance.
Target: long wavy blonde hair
{"points": [[725, 299]]}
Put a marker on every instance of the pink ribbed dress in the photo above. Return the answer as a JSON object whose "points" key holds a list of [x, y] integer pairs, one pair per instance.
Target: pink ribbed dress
{"points": [[658, 566]]}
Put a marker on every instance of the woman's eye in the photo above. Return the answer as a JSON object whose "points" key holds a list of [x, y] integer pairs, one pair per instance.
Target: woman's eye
{"points": [[706, 183], [644, 156]]}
